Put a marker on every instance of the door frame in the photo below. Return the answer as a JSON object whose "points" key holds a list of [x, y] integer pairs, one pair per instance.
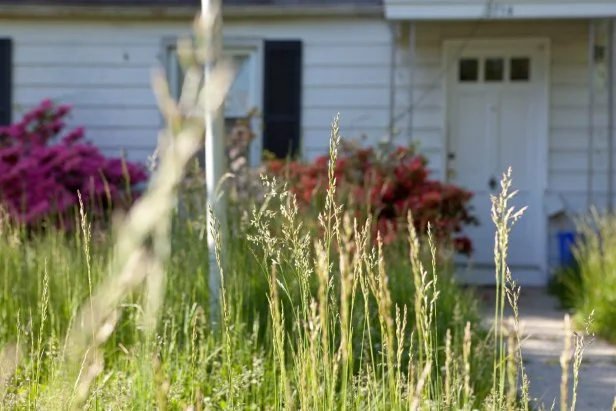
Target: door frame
{"points": [[451, 48]]}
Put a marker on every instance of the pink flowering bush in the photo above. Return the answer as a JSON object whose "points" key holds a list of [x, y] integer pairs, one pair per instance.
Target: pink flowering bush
{"points": [[387, 185], [43, 167]]}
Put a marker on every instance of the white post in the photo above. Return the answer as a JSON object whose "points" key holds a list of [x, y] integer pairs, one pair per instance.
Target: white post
{"points": [[215, 156]]}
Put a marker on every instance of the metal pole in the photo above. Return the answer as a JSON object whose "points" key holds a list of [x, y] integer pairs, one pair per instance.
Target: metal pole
{"points": [[215, 156], [610, 116], [591, 110]]}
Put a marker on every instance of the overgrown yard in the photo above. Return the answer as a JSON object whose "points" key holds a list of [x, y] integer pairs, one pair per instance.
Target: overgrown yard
{"points": [[314, 322], [325, 304], [302, 346]]}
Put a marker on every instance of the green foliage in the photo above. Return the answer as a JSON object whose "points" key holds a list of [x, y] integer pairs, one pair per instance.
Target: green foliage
{"points": [[309, 321], [589, 288], [48, 277], [567, 286], [385, 183]]}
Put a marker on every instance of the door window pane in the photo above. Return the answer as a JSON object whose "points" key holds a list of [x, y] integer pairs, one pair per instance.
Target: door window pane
{"points": [[468, 69], [519, 69], [494, 69]]}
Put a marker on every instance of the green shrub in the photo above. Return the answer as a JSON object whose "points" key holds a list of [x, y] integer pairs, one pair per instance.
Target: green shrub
{"points": [[385, 183], [590, 286], [567, 286]]}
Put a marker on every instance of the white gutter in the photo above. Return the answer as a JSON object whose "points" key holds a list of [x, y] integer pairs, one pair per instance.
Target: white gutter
{"points": [[305, 10], [510, 10], [181, 12]]}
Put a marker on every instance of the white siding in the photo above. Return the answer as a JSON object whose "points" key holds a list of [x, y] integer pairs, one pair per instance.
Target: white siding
{"points": [[104, 68], [569, 100], [346, 71]]}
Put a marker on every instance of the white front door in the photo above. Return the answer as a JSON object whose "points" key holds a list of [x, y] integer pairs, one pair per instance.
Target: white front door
{"points": [[497, 118]]}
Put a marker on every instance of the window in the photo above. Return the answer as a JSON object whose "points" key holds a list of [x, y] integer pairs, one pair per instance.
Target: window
{"points": [[519, 69], [241, 97], [494, 69], [269, 78], [239, 100], [282, 97], [468, 70]]}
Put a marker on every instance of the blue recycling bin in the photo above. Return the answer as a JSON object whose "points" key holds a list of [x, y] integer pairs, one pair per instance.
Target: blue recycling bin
{"points": [[566, 241]]}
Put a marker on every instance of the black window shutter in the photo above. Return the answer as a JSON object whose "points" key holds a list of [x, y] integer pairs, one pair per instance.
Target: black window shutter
{"points": [[6, 81], [282, 97]]}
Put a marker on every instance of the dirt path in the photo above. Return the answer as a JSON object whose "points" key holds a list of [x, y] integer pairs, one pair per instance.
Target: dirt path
{"points": [[543, 331]]}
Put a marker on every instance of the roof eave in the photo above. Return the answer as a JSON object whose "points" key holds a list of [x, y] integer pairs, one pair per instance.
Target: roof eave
{"points": [[368, 10], [182, 12]]}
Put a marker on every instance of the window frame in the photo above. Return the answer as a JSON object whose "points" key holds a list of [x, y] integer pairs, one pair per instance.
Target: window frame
{"points": [[507, 69], [236, 45]]}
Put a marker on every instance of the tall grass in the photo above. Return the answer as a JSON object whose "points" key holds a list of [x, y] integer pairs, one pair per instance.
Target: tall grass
{"points": [[310, 321], [589, 287]]}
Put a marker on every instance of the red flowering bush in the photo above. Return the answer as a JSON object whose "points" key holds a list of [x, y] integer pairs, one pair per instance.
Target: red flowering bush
{"points": [[40, 180], [386, 185]]}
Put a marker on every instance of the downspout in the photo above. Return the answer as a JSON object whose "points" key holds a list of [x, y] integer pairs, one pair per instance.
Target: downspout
{"points": [[411, 86], [610, 117], [395, 27], [591, 107]]}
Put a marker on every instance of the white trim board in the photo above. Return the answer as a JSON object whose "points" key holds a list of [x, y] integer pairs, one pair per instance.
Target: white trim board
{"points": [[512, 10]]}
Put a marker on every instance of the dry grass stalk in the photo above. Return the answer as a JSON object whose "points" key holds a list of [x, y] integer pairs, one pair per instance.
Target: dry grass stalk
{"points": [[466, 354], [162, 385], [512, 291], [142, 243], [277, 315], [565, 360], [512, 365], [419, 387], [504, 216], [448, 369], [578, 354], [401, 324], [9, 359]]}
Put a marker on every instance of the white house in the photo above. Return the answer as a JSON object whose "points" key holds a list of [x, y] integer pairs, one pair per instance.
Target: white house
{"points": [[480, 84]]}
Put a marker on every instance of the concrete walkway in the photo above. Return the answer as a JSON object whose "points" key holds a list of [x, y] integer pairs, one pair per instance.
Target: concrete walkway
{"points": [[543, 331]]}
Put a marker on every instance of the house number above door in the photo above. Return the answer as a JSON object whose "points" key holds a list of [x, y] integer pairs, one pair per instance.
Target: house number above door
{"points": [[499, 10]]}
